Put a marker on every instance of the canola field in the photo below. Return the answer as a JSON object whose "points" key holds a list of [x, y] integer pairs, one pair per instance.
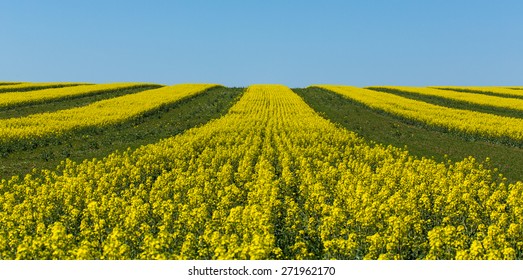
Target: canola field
{"points": [[265, 176]]}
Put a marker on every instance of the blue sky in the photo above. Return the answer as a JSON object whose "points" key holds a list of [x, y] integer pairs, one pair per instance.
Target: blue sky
{"points": [[237, 43]]}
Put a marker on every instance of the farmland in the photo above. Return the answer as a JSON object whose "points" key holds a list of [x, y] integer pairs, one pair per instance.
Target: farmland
{"points": [[201, 171]]}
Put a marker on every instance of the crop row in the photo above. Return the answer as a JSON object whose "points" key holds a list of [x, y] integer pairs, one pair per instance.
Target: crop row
{"points": [[35, 86], [498, 91], [269, 180], [15, 99], [102, 113], [472, 98], [472, 124], [9, 83]]}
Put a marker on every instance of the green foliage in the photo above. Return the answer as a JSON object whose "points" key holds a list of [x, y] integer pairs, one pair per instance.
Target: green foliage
{"points": [[168, 121], [269, 180], [422, 141], [22, 87], [25, 110], [501, 106], [471, 124], [31, 131]]}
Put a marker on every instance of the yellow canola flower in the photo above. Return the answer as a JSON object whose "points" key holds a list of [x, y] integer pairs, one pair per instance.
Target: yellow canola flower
{"points": [[463, 121], [35, 86], [269, 180], [40, 96], [101, 113], [472, 98], [500, 91]]}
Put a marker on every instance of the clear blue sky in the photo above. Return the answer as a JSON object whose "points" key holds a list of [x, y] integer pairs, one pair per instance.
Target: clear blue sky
{"points": [[237, 43]]}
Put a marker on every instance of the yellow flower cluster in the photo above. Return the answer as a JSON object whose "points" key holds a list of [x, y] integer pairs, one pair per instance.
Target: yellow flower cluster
{"points": [[34, 86], [502, 91], [38, 96], [472, 98], [470, 123], [101, 113], [269, 180]]}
